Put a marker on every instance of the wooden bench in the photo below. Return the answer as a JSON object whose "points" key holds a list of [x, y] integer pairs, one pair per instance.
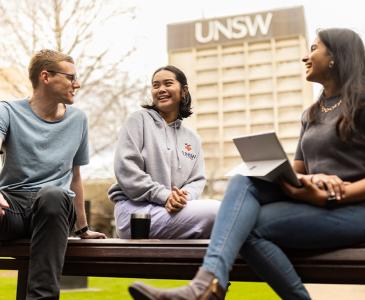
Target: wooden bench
{"points": [[177, 259]]}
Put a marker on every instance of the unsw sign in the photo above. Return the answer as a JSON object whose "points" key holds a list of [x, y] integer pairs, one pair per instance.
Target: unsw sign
{"points": [[261, 25], [233, 28]]}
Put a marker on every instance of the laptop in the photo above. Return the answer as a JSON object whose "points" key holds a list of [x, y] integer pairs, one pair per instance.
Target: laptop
{"points": [[264, 158]]}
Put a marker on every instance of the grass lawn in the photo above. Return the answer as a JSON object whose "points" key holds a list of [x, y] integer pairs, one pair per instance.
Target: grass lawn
{"points": [[116, 288]]}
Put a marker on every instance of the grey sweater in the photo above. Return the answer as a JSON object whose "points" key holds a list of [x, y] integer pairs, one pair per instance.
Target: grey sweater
{"points": [[152, 156]]}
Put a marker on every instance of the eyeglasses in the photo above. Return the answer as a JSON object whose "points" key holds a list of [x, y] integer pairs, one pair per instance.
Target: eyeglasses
{"points": [[71, 77]]}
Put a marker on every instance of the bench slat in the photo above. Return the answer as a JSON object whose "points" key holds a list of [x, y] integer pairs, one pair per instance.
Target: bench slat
{"points": [[115, 249]]}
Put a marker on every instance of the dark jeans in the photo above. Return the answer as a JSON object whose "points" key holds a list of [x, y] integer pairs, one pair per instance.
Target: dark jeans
{"points": [[46, 217]]}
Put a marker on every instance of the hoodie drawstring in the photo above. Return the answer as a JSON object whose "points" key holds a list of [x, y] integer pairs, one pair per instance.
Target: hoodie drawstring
{"points": [[176, 147], [166, 138]]}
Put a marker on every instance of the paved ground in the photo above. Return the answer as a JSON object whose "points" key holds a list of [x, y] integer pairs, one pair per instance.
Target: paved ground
{"points": [[8, 273], [336, 292]]}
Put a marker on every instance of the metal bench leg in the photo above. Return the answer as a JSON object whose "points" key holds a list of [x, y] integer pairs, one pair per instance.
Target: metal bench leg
{"points": [[22, 283]]}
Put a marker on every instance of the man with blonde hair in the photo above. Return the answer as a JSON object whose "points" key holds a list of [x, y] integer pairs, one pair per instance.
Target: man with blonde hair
{"points": [[45, 141]]}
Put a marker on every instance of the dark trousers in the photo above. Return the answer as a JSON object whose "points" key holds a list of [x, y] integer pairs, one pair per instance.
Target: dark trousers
{"points": [[46, 217]]}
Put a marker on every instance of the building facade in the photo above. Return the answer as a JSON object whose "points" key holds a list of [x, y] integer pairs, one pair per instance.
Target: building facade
{"points": [[246, 76]]}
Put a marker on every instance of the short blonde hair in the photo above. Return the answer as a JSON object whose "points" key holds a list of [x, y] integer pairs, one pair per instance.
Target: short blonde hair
{"points": [[43, 60]]}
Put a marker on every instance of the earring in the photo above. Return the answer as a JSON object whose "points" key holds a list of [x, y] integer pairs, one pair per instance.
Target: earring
{"points": [[331, 64]]}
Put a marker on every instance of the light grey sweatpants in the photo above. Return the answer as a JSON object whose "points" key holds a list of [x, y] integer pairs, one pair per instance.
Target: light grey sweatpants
{"points": [[194, 221]]}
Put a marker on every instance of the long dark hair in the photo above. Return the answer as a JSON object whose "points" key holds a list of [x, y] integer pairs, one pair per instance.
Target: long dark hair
{"points": [[185, 103], [346, 49]]}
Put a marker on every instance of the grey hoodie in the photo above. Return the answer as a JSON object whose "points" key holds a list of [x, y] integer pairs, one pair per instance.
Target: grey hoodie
{"points": [[152, 156]]}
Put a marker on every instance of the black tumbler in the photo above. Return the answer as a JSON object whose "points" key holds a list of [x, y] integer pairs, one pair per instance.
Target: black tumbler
{"points": [[140, 225]]}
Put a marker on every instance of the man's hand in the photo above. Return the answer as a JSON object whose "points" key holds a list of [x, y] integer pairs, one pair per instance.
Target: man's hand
{"points": [[3, 204], [177, 200], [309, 192], [92, 235]]}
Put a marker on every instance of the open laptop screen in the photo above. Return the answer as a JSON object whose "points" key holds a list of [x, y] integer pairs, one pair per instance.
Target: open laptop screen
{"points": [[264, 157]]}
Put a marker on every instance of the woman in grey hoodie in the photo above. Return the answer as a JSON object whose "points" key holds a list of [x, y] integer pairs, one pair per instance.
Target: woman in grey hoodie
{"points": [[159, 165]]}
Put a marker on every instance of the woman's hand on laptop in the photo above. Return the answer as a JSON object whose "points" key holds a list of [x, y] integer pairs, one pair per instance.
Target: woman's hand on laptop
{"points": [[333, 184], [309, 192]]}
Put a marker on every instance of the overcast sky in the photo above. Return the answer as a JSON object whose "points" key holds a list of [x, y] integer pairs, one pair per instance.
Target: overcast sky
{"points": [[149, 34]]}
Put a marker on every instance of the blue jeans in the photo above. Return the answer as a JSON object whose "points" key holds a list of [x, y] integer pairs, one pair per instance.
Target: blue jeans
{"points": [[256, 219]]}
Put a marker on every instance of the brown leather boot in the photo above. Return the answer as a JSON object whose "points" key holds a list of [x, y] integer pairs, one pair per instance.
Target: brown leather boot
{"points": [[204, 286]]}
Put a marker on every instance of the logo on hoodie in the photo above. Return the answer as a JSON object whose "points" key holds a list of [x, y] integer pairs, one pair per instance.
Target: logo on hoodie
{"points": [[187, 151]]}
